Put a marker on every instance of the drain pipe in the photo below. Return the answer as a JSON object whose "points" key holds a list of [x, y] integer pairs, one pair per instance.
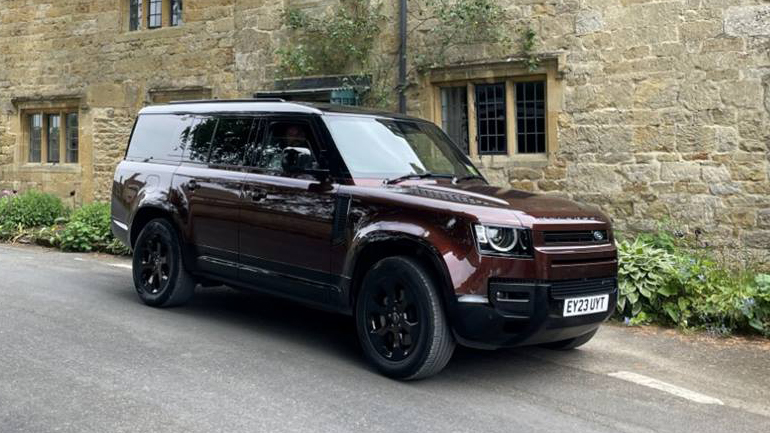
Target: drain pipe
{"points": [[402, 57]]}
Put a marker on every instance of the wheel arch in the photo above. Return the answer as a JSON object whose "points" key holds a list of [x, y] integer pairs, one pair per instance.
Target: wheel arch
{"points": [[149, 212], [382, 244]]}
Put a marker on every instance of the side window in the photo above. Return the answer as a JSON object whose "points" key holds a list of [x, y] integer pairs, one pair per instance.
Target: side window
{"points": [[159, 137], [200, 142], [230, 140], [286, 148]]}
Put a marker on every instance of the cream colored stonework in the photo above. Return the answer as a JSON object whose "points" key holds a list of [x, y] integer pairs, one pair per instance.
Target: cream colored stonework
{"points": [[656, 109]]}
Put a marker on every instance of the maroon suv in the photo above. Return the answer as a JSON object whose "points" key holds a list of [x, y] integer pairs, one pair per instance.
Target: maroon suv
{"points": [[371, 214]]}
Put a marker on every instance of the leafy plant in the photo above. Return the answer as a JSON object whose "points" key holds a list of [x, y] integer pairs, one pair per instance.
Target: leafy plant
{"points": [[643, 276], [664, 279], [30, 209], [88, 229], [528, 47], [341, 41], [331, 43]]}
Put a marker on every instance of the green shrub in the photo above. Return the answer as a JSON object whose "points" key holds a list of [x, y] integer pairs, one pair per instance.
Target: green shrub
{"points": [[662, 281], [30, 209], [88, 230], [643, 275]]}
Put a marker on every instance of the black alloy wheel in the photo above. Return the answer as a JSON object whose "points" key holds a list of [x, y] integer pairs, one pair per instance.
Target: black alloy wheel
{"points": [[160, 278], [154, 266], [401, 322], [393, 320]]}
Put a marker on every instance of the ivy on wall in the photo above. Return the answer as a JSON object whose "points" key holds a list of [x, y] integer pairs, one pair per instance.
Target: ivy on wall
{"points": [[343, 40]]}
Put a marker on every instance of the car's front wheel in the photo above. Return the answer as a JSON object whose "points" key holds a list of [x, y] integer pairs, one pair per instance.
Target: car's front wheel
{"points": [[401, 322], [160, 278]]}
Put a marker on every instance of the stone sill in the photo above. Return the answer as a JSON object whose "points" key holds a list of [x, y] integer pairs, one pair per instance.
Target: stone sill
{"points": [[52, 168], [160, 32], [493, 161]]}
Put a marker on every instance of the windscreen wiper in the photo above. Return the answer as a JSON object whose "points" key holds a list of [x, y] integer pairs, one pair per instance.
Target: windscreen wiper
{"points": [[409, 176], [469, 177]]}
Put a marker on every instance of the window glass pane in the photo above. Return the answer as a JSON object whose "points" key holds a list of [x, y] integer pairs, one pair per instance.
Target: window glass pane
{"points": [[134, 14], [72, 137], [454, 115], [35, 136], [230, 141], [286, 148], [401, 147], [530, 117], [160, 137], [54, 125], [155, 14], [176, 12], [491, 119], [202, 133]]}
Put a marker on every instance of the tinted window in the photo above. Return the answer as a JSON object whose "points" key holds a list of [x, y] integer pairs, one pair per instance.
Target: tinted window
{"points": [[159, 137], [230, 140], [286, 148], [202, 133]]}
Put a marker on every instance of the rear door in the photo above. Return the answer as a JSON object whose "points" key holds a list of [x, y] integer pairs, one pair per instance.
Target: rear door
{"points": [[209, 179], [286, 216]]}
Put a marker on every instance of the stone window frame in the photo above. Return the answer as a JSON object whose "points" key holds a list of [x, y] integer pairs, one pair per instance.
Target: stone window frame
{"points": [[144, 19], [62, 108], [510, 71]]}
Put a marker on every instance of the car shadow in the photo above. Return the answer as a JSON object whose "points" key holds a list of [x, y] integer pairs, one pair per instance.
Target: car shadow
{"points": [[335, 334]]}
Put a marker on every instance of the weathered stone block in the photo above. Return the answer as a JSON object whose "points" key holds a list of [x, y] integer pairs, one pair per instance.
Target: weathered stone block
{"points": [[588, 21], [680, 171], [748, 21], [593, 178]]}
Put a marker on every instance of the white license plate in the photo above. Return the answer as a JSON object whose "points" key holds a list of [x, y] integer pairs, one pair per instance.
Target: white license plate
{"points": [[586, 305]]}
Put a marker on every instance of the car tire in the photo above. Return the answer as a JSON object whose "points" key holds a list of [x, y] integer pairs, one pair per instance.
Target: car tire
{"points": [[571, 343], [160, 278], [400, 320]]}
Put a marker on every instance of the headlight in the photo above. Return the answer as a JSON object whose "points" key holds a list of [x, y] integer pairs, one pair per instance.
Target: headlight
{"points": [[502, 240]]}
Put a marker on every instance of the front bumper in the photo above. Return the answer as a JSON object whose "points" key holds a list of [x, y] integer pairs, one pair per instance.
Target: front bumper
{"points": [[521, 312]]}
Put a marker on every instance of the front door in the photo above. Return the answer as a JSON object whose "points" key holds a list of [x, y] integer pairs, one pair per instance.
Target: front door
{"points": [[286, 215], [210, 178]]}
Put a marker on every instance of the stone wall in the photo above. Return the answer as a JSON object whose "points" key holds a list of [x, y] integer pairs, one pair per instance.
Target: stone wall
{"points": [[664, 115], [663, 108]]}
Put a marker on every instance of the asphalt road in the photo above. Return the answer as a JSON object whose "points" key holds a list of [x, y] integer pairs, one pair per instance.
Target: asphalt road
{"points": [[79, 353]]}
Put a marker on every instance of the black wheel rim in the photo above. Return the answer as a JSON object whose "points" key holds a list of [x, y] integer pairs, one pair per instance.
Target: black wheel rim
{"points": [[155, 265], [392, 320]]}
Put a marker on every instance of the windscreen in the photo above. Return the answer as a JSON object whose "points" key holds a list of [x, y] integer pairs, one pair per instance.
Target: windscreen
{"points": [[387, 148]]}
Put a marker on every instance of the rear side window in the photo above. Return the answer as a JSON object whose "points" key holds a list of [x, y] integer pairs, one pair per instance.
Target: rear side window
{"points": [[230, 140], [160, 137], [200, 142]]}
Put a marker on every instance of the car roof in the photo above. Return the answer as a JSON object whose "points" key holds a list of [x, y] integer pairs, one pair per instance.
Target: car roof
{"points": [[267, 106]]}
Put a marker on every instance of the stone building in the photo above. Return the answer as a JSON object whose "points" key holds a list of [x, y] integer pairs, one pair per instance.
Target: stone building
{"points": [[651, 109]]}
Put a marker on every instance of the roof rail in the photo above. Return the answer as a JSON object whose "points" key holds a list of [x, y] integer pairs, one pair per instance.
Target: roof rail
{"points": [[222, 101]]}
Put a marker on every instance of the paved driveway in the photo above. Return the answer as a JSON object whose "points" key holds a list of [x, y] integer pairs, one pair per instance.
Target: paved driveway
{"points": [[79, 353]]}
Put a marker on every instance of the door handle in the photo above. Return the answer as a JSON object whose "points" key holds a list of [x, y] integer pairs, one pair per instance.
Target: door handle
{"points": [[192, 185], [258, 195]]}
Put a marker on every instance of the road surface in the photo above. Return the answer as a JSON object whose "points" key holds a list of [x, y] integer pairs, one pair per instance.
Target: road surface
{"points": [[79, 353]]}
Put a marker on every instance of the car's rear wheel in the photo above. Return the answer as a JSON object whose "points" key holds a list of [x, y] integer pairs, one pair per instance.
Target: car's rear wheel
{"points": [[571, 343], [401, 322], [159, 275]]}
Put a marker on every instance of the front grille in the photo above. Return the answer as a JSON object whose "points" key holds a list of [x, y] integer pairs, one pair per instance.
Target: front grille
{"points": [[587, 286], [575, 237]]}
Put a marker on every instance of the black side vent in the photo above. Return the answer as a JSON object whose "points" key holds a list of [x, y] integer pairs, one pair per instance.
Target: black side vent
{"points": [[446, 196], [340, 221], [576, 237]]}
